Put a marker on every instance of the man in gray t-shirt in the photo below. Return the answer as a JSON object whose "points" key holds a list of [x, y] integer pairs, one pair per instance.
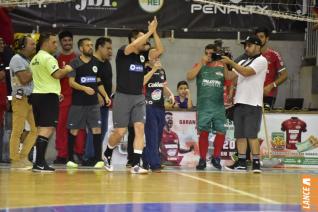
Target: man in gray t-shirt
{"points": [[21, 81]]}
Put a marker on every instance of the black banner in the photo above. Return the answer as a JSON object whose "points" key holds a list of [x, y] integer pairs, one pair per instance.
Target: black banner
{"points": [[183, 15]]}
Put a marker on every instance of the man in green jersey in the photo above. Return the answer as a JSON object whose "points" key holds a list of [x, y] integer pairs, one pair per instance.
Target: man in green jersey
{"points": [[45, 96], [210, 74]]}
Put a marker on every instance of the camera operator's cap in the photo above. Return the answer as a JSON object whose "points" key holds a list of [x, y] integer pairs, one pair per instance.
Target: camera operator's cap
{"points": [[253, 39]]}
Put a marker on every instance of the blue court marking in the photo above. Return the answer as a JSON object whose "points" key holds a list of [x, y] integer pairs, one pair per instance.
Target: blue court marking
{"points": [[161, 207]]}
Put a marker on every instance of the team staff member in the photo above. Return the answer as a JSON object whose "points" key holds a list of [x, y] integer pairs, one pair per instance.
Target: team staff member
{"points": [[45, 96], [85, 111], [22, 86], [155, 89], [248, 102], [66, 55], [103, 54], [210, 75], [129, 102], [276, 73]]}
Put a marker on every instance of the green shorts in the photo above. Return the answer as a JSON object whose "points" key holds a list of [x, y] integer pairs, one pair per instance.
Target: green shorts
{"points": [[214, 120]]}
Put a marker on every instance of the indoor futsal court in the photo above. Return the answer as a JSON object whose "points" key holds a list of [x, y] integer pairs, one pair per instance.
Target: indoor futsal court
{"points": [[171, 190], [158, 105]]}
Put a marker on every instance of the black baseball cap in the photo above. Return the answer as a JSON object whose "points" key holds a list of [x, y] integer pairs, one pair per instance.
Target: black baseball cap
{"points": [[253, 39]]}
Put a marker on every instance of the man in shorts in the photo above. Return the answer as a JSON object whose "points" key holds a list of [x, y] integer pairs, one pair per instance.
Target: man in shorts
{"points": [[129, 103], [45, 96], [85, 110]]}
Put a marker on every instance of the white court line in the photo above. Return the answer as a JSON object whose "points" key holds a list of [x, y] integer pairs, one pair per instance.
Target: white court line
{"points": [[254, 196]]}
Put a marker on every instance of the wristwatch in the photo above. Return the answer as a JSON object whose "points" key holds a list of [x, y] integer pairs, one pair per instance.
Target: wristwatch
{"points": [[275, 85]]}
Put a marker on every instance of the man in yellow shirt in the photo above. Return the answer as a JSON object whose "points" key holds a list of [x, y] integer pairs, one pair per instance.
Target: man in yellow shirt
{"points": [[45, 96]]}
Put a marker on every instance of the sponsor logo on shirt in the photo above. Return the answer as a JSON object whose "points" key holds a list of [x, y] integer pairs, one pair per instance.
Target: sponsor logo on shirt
{"points": [[85, 80], [136, 68], [95, 69], [155, 85], [156, 95], [219, 74], [142, 58], [211, 83]]}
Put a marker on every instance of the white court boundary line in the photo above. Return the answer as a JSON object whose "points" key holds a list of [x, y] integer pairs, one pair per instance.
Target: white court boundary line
{"points": [[254, 196]]}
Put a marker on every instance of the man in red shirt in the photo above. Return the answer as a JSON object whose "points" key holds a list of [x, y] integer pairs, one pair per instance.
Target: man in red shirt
{"points": [[64, 58], [277, 72]]}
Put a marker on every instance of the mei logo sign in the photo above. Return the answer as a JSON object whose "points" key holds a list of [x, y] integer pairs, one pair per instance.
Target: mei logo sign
{"points": [[96, 4], [309, 193], [219, 9]]}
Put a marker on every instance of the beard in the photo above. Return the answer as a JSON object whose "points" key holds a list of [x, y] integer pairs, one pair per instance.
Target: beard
{"points": [[88, 54]]}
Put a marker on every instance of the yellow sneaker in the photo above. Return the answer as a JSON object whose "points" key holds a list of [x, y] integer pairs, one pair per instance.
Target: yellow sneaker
{"points": [[99, 165], [71, 165]]}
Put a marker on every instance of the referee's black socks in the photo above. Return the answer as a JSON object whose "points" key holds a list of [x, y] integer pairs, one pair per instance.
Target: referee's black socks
{"points": [[97, 146], [41, 145]]}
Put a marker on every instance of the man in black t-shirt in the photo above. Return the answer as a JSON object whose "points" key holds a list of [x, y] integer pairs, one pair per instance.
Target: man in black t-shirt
{"points": [[103, 54], [129, 103], [85, 110], [156, 88]]}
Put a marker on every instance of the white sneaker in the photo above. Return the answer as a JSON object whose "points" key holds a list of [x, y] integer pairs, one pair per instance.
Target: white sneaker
{"points": [[71, 164], [138, 170], [108, 164]]}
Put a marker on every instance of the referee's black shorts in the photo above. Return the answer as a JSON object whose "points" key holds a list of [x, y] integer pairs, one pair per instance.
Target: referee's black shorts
{"points": [[45, 109], [247, 121]]}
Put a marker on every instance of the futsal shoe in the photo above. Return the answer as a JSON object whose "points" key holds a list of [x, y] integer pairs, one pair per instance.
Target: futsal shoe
{"points": [[99, 165], [256, 167], [216, 162], [44, 168], [108, 164], [201, 165], [19, 165], [239, 166], [27, 164], [138, 170], [71, 165]]}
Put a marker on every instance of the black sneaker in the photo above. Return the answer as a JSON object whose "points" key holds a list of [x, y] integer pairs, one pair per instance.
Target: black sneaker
{"points": [[216, 162], [256, 167], [201, 165], [89, 162], [42, 168], [60, 161], [237, 166]]}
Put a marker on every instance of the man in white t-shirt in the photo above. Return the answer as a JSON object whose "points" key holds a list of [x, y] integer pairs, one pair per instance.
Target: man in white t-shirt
{"points": [[250, 74]]}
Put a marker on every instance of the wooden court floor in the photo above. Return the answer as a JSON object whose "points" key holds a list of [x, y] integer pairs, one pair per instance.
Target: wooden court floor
{"points": [[25, 189]]}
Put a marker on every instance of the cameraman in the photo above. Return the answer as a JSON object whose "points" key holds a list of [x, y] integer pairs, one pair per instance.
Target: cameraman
{"points": [[210, 74]]}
